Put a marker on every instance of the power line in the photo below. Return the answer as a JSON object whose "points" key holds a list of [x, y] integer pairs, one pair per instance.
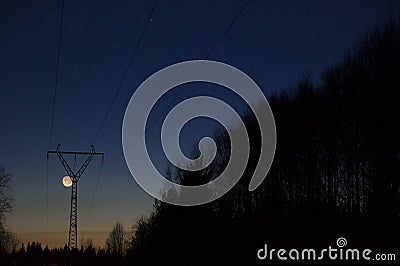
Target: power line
{"points": [[93, 197], [57, 73], [163, 29], [167, 24], [228, 29], [82, 44], [52, 117], [207, 57], [47, 200], [125, 72]]}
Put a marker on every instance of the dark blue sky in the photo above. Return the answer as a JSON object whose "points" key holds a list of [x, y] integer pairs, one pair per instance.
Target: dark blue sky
{"points": [[274, 42]]}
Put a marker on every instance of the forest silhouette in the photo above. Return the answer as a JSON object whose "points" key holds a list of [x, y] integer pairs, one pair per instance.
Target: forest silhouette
{"points": [[336, 173]]}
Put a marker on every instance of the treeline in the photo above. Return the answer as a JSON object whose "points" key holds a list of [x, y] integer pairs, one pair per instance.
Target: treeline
{"points": [[336, 172], [116, 247], [35, 254]]}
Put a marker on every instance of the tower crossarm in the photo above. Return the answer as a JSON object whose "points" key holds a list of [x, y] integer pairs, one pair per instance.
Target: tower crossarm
{"points": [[85, 164], [64, 163]]}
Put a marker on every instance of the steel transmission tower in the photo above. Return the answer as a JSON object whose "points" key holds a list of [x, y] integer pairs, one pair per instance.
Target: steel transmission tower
{"points": [[73, 219]]}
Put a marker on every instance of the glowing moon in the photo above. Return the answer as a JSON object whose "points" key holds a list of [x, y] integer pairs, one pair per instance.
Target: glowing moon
{"points": [[67, 182]]}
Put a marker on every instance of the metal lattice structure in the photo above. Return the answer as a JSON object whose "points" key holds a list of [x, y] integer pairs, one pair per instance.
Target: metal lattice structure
{"points": [[73, 219]]}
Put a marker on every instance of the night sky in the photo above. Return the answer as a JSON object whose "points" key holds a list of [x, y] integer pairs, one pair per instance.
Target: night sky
{"points": [[274, 42]]}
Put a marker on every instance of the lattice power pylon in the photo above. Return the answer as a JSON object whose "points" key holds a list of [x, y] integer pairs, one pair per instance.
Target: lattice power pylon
{"points": [[73, 219]]}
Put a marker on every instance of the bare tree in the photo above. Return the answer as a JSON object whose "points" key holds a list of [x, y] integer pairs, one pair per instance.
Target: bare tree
{"points": [[7, 239], [116, 240], [6, 200]]}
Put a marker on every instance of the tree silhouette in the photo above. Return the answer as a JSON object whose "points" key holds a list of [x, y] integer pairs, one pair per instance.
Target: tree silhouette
{"points": [[115, 241], [336, 171], [8, 240]]}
